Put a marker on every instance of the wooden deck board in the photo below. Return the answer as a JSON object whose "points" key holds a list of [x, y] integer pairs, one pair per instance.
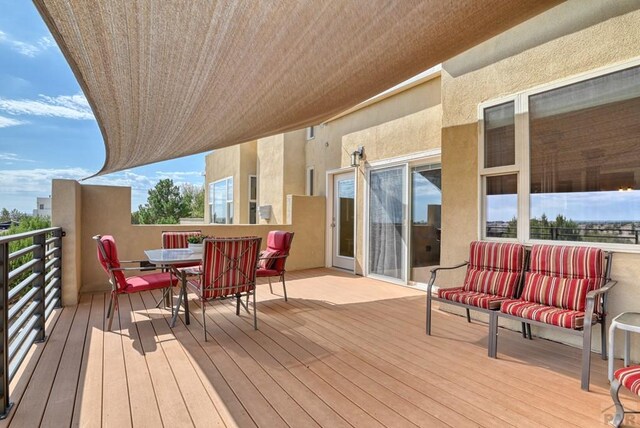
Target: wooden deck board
{"points": [[344, 351]]}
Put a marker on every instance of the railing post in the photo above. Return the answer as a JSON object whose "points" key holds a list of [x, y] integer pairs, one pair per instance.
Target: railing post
{"points": [[59, 234], [41, 241], [5, 404]]}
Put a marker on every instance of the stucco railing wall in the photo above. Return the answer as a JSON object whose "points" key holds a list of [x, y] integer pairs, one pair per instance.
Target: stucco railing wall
{"points": [[84, 211]]}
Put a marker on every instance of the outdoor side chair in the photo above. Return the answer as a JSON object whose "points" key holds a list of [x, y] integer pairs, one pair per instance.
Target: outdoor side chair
{"points": [[228, 270], [629, 377], [272, 260], [108, 258]]}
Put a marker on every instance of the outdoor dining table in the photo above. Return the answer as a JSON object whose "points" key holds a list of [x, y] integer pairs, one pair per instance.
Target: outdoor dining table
{"points": [[172, 259]]}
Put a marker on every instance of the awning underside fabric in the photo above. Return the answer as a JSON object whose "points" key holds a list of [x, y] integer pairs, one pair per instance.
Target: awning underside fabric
{"points": [[168, 78]]}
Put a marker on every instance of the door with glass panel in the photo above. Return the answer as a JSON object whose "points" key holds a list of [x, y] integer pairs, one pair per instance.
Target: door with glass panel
{"points": [[387, 223], [343, 221], [426, 201]]}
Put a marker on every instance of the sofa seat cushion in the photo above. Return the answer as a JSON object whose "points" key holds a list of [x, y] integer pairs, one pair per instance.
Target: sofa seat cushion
{"points": [[494, 268], [471, 298], [152, 281], [629, 377], [563, 293], [263, 273], [566, 318]]}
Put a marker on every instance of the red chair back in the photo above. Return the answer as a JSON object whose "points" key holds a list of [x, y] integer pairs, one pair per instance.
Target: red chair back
{"points": [[229, 266], [280, 241], [178, 239], [108, 258]]}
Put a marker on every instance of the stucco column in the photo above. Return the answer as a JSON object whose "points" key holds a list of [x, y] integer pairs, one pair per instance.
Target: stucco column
{"points": [[66, 212]]}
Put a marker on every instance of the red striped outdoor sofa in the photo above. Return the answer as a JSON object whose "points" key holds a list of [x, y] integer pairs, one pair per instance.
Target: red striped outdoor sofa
{"points": [[494, 274], [565, 288]]}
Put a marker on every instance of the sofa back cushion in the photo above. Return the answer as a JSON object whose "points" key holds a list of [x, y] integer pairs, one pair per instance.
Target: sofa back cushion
{"points": [[494, 268], [561, 276]]}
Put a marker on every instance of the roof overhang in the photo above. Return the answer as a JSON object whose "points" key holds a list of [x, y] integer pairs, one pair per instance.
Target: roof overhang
{"points": [[167, 79]]}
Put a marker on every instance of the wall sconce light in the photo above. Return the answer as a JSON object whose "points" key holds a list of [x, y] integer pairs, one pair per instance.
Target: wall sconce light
{"points": [[356, 156]]}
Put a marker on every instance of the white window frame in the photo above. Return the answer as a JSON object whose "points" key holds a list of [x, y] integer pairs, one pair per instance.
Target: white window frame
{"points": [[310, 181], [252, 200], [311, 133], [228, 202], [522, 159]]}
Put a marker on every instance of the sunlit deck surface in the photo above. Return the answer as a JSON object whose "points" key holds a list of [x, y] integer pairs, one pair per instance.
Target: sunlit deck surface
{"points": [[344, 351]]}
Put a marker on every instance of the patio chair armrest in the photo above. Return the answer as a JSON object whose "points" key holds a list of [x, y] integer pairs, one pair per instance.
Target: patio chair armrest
{"points": [[602, 290], [434, 272], [281, 256], [145, 265], [125, 269]]}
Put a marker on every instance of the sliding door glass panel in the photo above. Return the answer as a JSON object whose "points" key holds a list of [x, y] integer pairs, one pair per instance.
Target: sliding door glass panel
{"points": [[426, 200], [387, 242]]}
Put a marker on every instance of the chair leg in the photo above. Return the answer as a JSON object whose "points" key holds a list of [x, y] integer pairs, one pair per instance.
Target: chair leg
{"points": [[468, 315], [110, 308], [238, 297], [614, 390], [255, 311], [529, 331], [113, 306], [428, 313], [603, 337], [270, 287], [284, 287], [586, 356], [204, 319], [492, 341], [524, 330]]}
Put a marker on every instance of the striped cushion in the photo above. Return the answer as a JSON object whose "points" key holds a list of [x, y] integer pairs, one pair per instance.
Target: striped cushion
{"points": [[229, 266], [561, 276], [563, 293], [568, 262], [494, 268], [472, 298], [629, 377], [547, 314], [267, 259], [178, 239]]}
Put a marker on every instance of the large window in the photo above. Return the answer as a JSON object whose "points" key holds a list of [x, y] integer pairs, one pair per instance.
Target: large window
{"points": [[579, 178], [221, 201]]}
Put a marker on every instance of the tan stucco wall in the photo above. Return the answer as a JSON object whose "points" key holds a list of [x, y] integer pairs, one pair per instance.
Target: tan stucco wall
{"points": [[281, 172], [406, 123], [238, 162], [107, 210], [67, 213], [574, 51]]}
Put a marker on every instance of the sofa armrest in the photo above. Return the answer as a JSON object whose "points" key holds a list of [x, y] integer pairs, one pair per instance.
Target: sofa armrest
{"points": [[434, 272], [602, 290]]}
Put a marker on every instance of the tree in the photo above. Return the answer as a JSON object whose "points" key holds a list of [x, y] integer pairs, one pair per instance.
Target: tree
{"points": [[165, 205], [194, 198], [5, 215]]}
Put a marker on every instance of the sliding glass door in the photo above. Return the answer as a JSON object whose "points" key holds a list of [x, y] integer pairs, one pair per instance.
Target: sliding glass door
{"points": [[387, 222]]}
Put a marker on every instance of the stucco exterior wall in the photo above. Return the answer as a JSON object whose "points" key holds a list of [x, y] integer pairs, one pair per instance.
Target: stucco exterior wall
{"points": [[271, 177], [107, 210], [575, 49], [238, 162]]}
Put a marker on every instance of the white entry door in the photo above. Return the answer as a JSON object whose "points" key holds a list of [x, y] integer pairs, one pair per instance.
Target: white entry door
{"points": [[343, 221]]}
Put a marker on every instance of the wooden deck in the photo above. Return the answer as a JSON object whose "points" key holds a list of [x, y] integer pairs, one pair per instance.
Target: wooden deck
{"points": [[344, 351]]}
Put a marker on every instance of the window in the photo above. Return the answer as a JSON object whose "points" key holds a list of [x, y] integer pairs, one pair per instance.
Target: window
{"points": [[221, 201], [311, 132], [310, 178], [41, 206], [253, 198], [580, 175]]}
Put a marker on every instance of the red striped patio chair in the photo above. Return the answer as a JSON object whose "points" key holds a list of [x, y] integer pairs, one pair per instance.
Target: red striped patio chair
{"points": [[494, 273], [565, 288], [629, 377], [179, 239], [272, 260], [229, 269]]}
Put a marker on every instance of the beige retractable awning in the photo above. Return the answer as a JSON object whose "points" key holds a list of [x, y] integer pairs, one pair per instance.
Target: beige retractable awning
{"points": [[170, 78]]}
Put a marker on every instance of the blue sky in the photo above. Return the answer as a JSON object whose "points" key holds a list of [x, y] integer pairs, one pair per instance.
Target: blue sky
{"points": [[47, 129]]}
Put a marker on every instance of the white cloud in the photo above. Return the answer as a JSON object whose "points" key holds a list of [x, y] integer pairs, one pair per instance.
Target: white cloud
{"points": [[65, 106], [20, 187], [5, 122], [10, 158], [30, 50]]}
